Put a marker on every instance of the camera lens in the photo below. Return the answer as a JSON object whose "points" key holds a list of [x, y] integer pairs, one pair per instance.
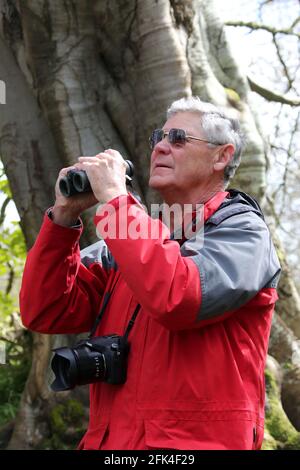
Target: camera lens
{"points": [[78, 366], [65, 368]]}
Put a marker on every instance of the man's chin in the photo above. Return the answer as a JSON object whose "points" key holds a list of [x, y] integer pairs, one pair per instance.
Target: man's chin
{"points": [[157, 182]]}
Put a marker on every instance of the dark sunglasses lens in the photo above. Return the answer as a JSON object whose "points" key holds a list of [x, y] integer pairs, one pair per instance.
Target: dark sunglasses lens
{"points": [[156, 136], [177, 136]]}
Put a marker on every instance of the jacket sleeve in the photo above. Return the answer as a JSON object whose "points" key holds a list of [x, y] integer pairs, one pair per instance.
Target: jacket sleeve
{"points": [[187, 290], [59, 294], [237, 260]]}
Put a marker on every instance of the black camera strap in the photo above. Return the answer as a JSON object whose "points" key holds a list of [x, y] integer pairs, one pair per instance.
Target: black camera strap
{"points": [[106, 298], [103, 307], [131, 321]]}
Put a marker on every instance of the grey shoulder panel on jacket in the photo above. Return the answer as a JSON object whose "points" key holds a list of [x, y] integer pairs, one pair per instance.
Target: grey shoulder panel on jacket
{"points": [[236, 258], [98, 253]]}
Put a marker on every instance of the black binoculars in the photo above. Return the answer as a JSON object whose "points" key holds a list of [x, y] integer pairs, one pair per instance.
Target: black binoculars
{"points": [[76, 181]]}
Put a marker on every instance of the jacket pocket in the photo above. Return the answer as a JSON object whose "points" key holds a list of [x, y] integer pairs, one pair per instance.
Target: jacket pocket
{"points": [[258, 437], [93, 438], [199, 435]]}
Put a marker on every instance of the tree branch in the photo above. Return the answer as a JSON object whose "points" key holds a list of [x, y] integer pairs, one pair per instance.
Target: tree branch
{"points": [[286, 174], [256, 26], [271, 95], [3, 209], [11, 276], [281, 60], [14, 343], [295, 22]]}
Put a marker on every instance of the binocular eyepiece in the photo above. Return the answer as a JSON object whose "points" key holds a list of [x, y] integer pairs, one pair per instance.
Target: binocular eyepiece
{"points": [[76, 181]]}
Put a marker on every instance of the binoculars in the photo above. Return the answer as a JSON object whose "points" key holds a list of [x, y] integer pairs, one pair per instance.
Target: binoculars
{"points": [[76, 181]]}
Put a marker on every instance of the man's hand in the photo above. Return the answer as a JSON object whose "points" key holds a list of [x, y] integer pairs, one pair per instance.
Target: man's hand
{"points": [[106, 173]]}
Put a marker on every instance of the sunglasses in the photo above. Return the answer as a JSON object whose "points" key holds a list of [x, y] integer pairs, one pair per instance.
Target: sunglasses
{"points": [[175, 136]]}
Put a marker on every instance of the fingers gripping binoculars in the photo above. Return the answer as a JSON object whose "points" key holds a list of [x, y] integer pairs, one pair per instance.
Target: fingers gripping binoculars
{"points": [[76, 181]]}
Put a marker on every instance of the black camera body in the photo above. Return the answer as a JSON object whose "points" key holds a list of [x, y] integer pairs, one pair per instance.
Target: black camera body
{"points": [[99, 359]]}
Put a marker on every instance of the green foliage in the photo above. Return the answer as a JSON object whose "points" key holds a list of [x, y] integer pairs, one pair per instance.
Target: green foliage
{"points": [[277, 423], [12, 253], [12, 250], [7, 306], [14, 373], [66, 414], [13, 376], [67, 425], [233, 97], [269, 443], [4, 185]]}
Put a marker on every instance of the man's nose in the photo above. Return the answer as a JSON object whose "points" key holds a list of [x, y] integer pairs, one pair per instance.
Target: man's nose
{"points": [[163, 146]]}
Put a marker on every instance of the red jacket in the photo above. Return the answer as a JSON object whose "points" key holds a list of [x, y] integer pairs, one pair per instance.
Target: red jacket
{"points": [[198, 346]]}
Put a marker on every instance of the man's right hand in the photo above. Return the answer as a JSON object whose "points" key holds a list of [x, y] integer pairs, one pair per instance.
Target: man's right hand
{"points": [[66, 210]]}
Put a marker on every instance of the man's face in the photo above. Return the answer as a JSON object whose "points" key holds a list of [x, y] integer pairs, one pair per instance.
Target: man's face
{"points": [[182, 167]]}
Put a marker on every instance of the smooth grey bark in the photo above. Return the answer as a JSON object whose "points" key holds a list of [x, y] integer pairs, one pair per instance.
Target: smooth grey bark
{"points": [[27, 148], [84, 76]]}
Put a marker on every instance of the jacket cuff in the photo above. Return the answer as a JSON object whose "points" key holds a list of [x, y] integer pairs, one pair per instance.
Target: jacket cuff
{"points": [[50, 216], [65, 236]]}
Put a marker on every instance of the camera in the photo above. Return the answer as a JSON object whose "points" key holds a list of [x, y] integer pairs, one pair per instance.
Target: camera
{"points": [[76, 181], [99, 359]]}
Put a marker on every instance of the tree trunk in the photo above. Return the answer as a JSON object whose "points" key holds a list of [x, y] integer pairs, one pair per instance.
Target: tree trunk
{"points": [[285, 347], [85, 76]]}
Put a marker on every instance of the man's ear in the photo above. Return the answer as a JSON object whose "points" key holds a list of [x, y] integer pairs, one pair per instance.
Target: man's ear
{"points": [[223, 157]]}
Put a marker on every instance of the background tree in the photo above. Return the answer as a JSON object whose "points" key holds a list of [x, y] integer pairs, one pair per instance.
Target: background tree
{"points": [[84, 76], [271, 36]]}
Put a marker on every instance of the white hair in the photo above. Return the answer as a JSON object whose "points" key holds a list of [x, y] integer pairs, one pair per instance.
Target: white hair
{"points": [[219, 128]]}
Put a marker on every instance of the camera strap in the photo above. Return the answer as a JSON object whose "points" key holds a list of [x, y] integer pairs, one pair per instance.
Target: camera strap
{"points": [[131, 321], [106, 298], [97, 321]]}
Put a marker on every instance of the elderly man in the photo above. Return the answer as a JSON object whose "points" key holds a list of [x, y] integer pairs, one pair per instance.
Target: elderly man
{"points": [[201, 307]]}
